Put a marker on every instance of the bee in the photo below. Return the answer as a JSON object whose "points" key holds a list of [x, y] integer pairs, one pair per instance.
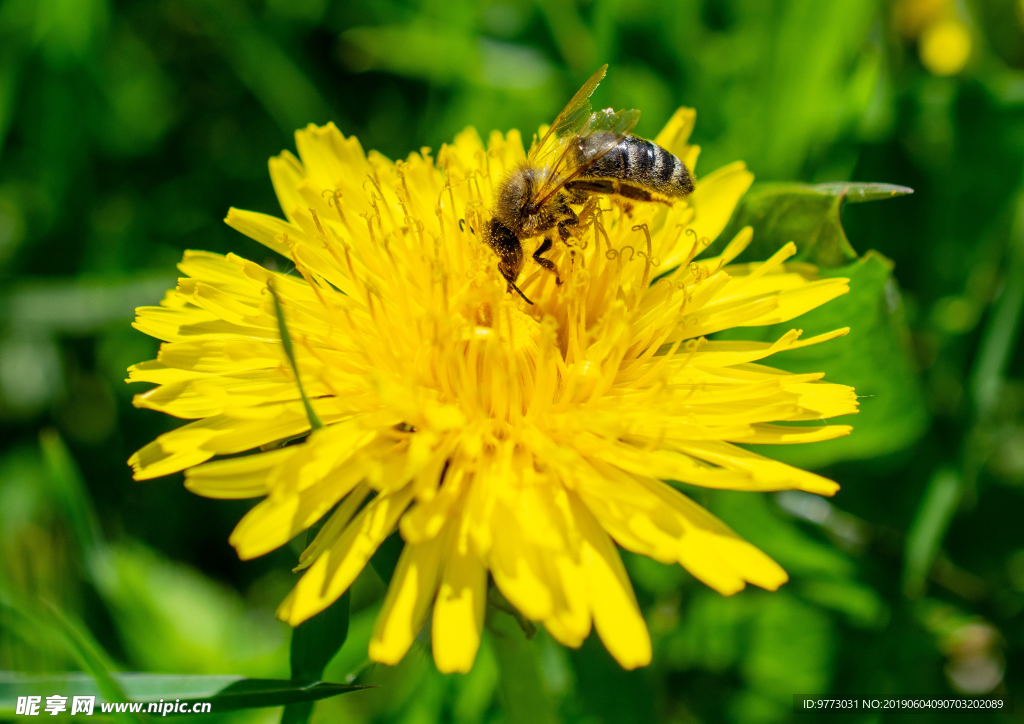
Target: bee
{"points": [[582, 153]]}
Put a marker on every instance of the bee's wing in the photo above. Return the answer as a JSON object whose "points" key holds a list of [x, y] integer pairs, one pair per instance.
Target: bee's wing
{"points": [[572, 118], [601, 132]]}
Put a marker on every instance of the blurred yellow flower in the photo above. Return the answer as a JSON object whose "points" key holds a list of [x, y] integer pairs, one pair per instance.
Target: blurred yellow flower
{"points": [[943, 38], [945, 47], [911, 17], [496, 436]]}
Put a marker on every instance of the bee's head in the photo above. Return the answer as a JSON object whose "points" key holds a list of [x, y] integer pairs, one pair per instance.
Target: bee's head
{"points": [[506, 245]]}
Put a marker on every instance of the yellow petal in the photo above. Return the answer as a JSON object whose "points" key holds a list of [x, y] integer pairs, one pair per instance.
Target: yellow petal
{"points": [[329, 158], [459, 608], [198, 441], [716, 196], [219, 270], [768, 434], [616, 613], [708, 540], [794, 302], [725, 353], [159, 373], [773, 474], [276, 520], [689, 158], [674, 136], [653, 519], [333, 572], [334, 527], [286, 173], [263, 228], [570, 619], [244, 477], [220, 357], [427, 518], [517, 569], [152, 461], [207, 396], [408, 599]]}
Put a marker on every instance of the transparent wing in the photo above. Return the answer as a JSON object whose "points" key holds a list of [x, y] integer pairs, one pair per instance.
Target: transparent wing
{"points": [[600, 133], [572, 118]]}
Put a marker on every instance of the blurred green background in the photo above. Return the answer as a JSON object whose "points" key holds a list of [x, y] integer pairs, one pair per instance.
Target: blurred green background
{"points": [[128, 128]]}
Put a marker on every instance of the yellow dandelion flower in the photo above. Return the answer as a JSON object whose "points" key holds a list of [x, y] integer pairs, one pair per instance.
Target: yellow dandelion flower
{"points": [[943, 38], [497, 437], [945, 47]]}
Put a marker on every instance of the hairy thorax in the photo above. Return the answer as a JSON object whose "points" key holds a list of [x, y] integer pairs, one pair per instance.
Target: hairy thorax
{"points": [[516, 199]]}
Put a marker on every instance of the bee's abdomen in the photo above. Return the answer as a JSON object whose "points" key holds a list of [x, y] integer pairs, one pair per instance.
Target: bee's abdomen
{"points": [[641, 163]]}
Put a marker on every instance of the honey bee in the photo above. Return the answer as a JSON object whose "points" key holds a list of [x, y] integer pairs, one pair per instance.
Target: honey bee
{"points": [[582, 153]]}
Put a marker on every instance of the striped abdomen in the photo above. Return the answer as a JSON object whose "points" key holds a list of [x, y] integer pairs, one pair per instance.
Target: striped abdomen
{"points": [[638, 163]]}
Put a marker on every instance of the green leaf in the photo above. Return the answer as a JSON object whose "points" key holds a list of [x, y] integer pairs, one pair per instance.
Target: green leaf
{"points": [[520, 684], [316, 640], [711, 634], [314, 643], [603, 689], [224, 692], [255, 693], [806, 214], [353, 660], [873, 358], [790, 647], [858, 602], [498, 601], [475, 690]]}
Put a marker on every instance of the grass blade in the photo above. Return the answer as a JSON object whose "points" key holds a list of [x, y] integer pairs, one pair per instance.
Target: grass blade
{"points": [[225, 693], [929, 528], [286, 342], [256, 693], [93, 659]]}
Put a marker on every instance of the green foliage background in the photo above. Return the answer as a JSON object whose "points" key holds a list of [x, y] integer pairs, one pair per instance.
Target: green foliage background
{"points": [[128, 128]]}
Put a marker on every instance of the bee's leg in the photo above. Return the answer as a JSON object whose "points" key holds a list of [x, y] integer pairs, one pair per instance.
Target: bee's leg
{"points": [[571, 220], [512, 286], [613, 188], [546, 263], [634, 193], [577, 196], [595, 186]]}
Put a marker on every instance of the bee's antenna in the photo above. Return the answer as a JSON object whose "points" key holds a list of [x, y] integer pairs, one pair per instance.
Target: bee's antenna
{"points": [[520, 292]]}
